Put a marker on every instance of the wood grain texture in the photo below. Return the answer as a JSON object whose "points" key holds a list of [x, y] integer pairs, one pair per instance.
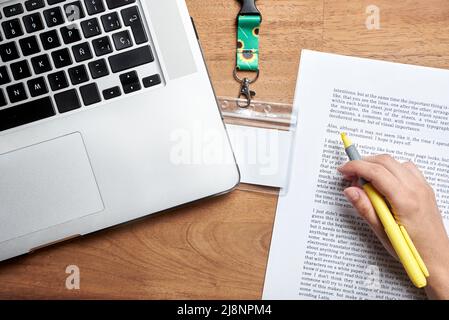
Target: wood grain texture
{"points": [[218, 249]]}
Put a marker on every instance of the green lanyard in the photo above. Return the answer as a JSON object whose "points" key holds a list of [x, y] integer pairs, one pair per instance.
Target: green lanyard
{"points": [[248, 25]]}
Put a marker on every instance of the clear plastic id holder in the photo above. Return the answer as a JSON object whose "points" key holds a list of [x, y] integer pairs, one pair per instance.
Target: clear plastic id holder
{"points": [[262, 139]]}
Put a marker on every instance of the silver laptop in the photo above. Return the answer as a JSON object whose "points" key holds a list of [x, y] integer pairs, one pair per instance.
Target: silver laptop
{"points": [[107, 114]]}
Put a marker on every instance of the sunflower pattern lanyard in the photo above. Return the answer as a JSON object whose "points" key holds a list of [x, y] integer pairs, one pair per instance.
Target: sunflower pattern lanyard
{"points": [[248, 24]]}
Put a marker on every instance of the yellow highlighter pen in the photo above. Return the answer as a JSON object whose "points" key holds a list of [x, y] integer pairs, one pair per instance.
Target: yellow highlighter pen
{"points": [[398, 236]]}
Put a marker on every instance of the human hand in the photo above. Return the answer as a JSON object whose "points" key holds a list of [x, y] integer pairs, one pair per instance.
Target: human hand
{"points": [[414, 205]]}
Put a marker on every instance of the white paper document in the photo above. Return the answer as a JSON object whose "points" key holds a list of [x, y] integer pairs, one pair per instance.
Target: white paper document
{"points": [[320, 248]]}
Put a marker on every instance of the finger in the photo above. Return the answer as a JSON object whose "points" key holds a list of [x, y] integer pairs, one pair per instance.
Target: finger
{"points": [[362, 204], [349, 177], [392, 165], [382, 179]]}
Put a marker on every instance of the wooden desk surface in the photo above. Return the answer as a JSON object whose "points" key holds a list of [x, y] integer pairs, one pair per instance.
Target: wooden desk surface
{"points": [[218, 249]]}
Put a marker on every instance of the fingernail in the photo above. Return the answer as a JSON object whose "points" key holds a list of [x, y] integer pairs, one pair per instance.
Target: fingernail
{"points": [[339, 169], [351, 194]]}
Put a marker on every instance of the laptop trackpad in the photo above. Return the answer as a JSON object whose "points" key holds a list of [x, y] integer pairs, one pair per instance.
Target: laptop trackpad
{"points": [[44, 185]]}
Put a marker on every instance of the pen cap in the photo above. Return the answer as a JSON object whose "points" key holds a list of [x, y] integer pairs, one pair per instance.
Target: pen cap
{"points": [[353, 153]]}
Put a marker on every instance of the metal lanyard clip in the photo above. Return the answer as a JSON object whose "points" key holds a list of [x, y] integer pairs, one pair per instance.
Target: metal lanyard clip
{"points": [[245, 90], [247, 93]]}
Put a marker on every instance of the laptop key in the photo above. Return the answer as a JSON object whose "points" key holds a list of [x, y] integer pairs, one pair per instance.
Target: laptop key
{"points": [[102, 46], [130, 82], [111, 22], [20, 70], [41, 64], [4, 77], [90, 28], [82, 52], [50, 40], [131, 18], [67, 101], [131, 59], [90, 94], [53, 17], [78, 74], [13, 10], [132, 87], [98, 68], [94, 6], [61, 58], [70, 34], [26, 113], [29, 46], [112, 4], [12, 28], [9, 52], [31, 5], [16, 92], [122, 40], [2, 99], [112, 93], [37, 87], [33, 22], [58, 81], [151, 81], [129, 78], [51, 2]]}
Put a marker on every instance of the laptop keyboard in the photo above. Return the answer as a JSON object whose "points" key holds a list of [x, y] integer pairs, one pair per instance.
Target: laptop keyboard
{"points": [[62, 55]]}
